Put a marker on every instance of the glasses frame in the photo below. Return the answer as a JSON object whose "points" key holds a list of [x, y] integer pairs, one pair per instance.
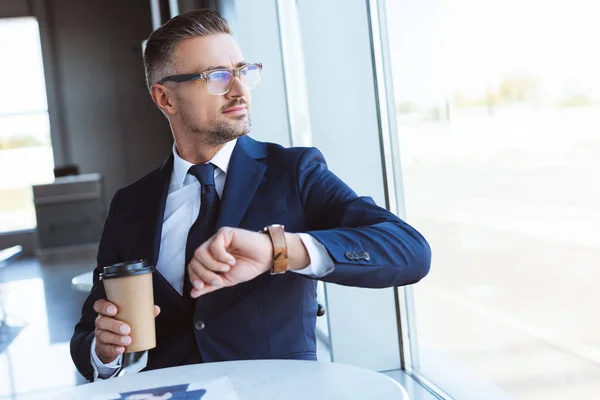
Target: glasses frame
{"points": [[204, 76]]}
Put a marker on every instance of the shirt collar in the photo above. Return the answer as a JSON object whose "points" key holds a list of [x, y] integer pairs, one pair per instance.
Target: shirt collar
{"points": [[220, 160]]}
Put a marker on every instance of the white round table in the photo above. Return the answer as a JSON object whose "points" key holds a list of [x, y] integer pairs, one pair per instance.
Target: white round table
{"points": [[83, 282], [259, 379]]}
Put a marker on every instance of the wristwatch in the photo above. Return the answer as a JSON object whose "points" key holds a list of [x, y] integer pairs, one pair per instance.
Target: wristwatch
{"points": [[280, 252]]}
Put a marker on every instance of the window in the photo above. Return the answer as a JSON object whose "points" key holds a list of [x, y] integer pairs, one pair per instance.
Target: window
{"points": [[25, 149], [498, 118]]}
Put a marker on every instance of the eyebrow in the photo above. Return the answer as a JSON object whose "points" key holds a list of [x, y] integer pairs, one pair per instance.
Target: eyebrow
{"points": [[223, 67]]}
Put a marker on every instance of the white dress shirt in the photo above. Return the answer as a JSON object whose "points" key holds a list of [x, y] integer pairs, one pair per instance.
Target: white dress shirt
{"points": [[181, 210]]}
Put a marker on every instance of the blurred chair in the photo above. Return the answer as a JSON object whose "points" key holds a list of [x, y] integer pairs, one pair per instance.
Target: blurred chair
{"points": [[320, 310], [66, 170]]}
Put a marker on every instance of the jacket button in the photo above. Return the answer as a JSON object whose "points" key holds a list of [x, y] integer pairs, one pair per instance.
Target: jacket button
{"points": [[350, 255], [199, 325]]}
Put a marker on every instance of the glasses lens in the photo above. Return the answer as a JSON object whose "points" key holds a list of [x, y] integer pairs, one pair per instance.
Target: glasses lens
{"points": [[250, 75], [219, 82]]}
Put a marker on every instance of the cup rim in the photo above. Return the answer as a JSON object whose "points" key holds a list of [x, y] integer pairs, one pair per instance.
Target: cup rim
{"points": [[126, 269]]}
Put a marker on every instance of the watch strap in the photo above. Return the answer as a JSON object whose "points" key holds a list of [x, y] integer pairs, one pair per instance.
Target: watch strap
{"points": [[280, 250]]}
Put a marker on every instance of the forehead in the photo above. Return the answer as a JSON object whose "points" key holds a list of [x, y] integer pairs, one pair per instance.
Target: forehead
{"points": [[207, 52]]}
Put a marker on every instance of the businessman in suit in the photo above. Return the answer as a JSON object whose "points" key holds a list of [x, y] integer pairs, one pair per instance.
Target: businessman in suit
{"points": [[224, 290]]}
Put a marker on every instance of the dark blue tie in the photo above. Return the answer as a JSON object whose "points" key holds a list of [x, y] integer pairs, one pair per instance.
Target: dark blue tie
{"points": [[204, 227]]}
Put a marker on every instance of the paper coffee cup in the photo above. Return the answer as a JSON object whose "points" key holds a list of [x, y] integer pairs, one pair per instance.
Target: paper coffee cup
{"points": [[128, 286]]}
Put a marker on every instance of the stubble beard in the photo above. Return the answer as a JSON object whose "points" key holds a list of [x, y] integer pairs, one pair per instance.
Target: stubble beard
{"points": [[222, 132]]}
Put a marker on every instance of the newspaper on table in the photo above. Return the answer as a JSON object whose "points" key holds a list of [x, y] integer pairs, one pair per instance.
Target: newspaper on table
{"points": [[217, 389]]}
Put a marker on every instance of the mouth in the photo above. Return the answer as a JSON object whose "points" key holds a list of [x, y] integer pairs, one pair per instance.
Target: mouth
{"points": [[238, 110]]}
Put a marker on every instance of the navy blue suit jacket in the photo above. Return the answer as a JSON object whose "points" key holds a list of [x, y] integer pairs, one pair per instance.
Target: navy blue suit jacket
{"points": [[272, 316]]}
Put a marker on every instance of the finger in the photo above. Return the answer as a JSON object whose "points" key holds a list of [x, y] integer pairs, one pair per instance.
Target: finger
{"points": [[200, 287], [218, 249], [206, 259], [106, 338], [209, 277], [197, 283], [108, 351], [104, 307], [156, 311], [112, 325], [206, 289]]}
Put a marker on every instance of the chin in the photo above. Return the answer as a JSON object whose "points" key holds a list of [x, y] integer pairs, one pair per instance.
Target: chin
{"points": [[242, 127]]}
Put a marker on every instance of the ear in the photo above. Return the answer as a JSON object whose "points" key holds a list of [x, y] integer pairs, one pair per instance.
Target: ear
{"points": [[163, 98]]}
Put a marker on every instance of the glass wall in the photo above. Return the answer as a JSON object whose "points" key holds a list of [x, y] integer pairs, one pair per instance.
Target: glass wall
{"points": [[498, 118], [25, 149]]}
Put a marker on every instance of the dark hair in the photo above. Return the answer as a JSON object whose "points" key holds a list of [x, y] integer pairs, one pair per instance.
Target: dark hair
{"points": [[161, 44]]}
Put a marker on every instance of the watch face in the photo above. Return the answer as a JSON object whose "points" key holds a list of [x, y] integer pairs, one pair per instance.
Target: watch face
{"points": [[266, 228]]}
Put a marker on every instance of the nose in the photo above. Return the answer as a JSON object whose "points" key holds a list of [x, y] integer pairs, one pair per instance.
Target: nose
{"points": [[238, 89]]}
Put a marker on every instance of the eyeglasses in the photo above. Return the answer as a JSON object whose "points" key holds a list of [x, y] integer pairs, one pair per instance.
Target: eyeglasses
{"points": [[220, 81]]}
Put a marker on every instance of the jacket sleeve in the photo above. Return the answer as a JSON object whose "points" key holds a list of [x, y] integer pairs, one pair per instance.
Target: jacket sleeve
{"points": [[370, 246], [81, 342]]}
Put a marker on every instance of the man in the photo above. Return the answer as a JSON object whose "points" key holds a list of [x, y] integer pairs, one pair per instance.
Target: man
{"points": [[219, 285]]}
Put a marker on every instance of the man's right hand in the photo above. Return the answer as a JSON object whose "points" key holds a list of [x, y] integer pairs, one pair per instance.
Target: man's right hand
{"points": [[111, 334]]}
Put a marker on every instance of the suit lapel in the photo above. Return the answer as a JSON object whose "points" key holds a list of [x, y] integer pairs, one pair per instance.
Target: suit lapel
{"points": [[244, 175]]}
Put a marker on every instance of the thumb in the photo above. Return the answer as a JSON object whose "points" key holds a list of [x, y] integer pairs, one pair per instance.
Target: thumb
{"points": [[225, 236]]}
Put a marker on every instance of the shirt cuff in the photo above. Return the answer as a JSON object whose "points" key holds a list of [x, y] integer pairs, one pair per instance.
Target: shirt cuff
{"points": [[321, 263], [101, 370]]}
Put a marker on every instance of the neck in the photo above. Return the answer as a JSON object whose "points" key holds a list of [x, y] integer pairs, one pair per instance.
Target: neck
{"points": [[196, 151]]}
